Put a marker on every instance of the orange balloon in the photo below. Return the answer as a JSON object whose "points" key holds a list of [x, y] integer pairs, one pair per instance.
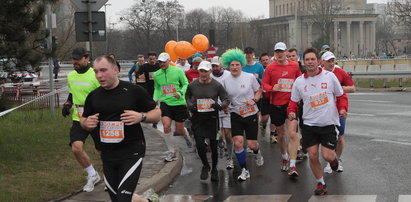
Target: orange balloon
{"points": [[173, 64], [169, 48], [200, 42], [184, 49], [173, 56]]}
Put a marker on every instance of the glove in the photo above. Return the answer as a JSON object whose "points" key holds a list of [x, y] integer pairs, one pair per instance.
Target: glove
{"points": [[192, 108], [216, 106], [66, 108]]}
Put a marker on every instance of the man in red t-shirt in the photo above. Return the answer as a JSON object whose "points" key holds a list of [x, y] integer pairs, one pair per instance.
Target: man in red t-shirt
{"points": [[192, 74], [328, 63], [278, 80]]}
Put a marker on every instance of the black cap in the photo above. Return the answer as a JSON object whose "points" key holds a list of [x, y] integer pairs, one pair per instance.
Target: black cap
{"points": [[79, 53], [248, 50]]}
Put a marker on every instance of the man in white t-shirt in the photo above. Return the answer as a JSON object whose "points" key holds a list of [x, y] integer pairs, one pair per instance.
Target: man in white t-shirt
{"points": [[324, 103], [183, 64]]}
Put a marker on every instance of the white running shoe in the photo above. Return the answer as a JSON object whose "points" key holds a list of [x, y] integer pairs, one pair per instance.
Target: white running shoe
{"points": [[328, 169], [230, 164], [340, 167], [259, 160], [171, 156], [91, 181], [244, 175]]}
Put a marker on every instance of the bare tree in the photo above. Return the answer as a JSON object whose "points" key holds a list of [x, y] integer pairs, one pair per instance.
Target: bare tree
{"points": [[171, 12], [385, 34], [401, 11]]}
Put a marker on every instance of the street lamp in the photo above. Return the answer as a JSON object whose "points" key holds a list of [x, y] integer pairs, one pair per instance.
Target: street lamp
{"points": [[105, 12]]}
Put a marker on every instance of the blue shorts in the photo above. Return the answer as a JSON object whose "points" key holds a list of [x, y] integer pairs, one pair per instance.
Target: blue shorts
{"points": [[341, 128]]}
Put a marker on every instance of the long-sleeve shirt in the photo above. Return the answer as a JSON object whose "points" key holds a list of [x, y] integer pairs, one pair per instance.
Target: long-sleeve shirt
{"points": [[168, 82]]}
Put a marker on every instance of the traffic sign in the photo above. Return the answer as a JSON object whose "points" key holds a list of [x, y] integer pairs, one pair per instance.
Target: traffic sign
{"points": [[211, 51], [99, 26], [82, 4]]}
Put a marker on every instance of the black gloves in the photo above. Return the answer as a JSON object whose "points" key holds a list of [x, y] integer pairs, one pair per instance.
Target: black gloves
{"points": [[66, 108], [217, 107]]}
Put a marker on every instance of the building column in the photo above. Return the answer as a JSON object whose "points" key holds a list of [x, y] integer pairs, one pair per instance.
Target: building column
{"points": [[349, 39], [335, 44], [362, 47], [372, 36], [310, 34]]}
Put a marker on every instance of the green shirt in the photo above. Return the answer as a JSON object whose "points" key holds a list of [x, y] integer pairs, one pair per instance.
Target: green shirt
{"points": [[169, 81], [80, 85]]}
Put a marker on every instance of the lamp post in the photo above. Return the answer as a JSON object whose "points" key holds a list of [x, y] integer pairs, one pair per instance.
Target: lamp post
{"points": [[105, 12]]}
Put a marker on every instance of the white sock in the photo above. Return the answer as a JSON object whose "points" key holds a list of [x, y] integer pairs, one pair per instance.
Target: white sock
{"points": [[90, 170], [321, 180], [292, 163], [170, 142], [284, 156]]}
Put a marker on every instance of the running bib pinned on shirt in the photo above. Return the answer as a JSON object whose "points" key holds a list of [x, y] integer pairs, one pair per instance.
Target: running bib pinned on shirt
{"points": [[247, 110], [111, 131], [205, 105], [318, 100], [285, 85], [169, 89], [150, 76], [141, 79]]}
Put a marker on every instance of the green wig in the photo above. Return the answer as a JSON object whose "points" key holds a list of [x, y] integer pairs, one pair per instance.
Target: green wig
{"points": [[234, 54]]}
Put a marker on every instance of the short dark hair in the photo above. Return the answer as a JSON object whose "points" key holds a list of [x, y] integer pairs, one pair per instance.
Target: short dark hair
{"points": [[292, 50], [248, 49], [311, 50], [151, 53], [140, 56], [109, 59], [264, 54]]}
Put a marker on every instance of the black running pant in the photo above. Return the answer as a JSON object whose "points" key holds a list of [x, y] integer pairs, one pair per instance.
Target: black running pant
{"points": [[202, 150]]}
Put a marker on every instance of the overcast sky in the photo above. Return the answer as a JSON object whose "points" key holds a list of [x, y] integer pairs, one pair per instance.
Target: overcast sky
{"points": [[251, 8]]}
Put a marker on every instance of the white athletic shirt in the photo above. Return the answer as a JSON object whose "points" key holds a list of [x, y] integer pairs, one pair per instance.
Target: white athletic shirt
{"points": [[185, 67], [220, 80], [319, 96], [240, 89]]}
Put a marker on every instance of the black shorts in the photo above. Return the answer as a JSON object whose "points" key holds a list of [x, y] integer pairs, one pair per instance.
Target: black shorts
{"points": [[247, 124], [278, 114], [177, 113], [121, 177], [265, 107], [205, 124], [326, 136], [77, 133]]}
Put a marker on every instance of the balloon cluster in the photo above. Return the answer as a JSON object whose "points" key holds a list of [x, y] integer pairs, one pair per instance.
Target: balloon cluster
{"points": [[184, 49]]}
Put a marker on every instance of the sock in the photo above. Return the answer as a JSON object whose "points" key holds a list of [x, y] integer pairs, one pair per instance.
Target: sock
{"points": [[321, 180], [230, 150], [284, 156], [292, 163], [257, 150], [170, 142], [241, 157], [90, 170]]}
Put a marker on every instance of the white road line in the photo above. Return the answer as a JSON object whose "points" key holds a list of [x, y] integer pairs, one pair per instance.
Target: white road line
{"points": [[258, 198], [344, 198], [391, 141], [371, 101], [359, 114]]}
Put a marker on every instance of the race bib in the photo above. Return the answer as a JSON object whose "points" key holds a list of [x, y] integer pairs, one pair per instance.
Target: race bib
{"points": [[80, 110], [247, 110], [318, 100], [141, 79], [205, 105], [169, 90], [151, 75], [285, 85], [111, 131]]}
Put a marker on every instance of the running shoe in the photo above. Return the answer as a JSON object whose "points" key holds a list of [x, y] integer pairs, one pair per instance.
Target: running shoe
{"points": [[340, 167], [214, 175], [328, 169], [263, 132], [151, 195], [321, 189], [204, 172], [334, 164], [273, 137], [300, 154], [293, 172], [244, 175], [229, 164], [259, 160], [188, 142], [284, 165], [91, 181], [171, 156]]}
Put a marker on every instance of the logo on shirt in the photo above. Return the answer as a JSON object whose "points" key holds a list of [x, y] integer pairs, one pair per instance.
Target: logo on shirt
{"points": [[305, 88], [314, 85], [284, 73], [242, 86], [323, 85]]}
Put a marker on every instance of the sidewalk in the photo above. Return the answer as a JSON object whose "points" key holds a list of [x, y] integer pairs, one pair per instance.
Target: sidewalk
{"points": [[156, 174]]}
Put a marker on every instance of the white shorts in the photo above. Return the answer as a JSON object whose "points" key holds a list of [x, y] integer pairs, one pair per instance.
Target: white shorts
{"points": [[225, 121]]}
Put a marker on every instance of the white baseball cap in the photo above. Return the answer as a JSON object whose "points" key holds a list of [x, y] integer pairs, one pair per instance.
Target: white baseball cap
{"points": [[163, 57], [215, 60], [280, 46], [205, 65], [327, 56]]}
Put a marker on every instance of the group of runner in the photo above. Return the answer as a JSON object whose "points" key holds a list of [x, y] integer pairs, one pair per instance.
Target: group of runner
{"points": [[220, 105]]}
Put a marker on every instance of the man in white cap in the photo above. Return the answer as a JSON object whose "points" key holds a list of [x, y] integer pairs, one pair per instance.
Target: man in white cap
{"points": [[220, 74], [203, 96], [278, 80], [328, 63], [170, 85]]}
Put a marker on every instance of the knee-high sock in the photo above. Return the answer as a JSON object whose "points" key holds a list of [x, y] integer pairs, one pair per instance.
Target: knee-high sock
{"points": [[171, 142], [230, 150], [241, 157]]}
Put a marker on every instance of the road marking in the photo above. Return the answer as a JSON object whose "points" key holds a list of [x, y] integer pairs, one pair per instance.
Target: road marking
{"points": [[371, 101], [185, 198], [368, 93], [391, 141], [404, 198], [258, 198], [359, 114], [344, 198]]}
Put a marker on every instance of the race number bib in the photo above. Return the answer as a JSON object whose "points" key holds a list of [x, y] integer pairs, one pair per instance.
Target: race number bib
{"points": [[169, 89], [247, 110], [150, 75], [111, 131], [205, 105], [80, 110], [318, 100], [285, 85], [141, 79]]}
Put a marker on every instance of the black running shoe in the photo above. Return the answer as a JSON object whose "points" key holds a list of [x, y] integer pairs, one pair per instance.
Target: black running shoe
{"points": [[214, 175], [334, 164], [204, 172], [321, 189]]}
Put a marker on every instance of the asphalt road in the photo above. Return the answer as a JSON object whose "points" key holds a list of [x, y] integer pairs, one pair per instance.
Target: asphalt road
{"points": [[377, 162]]}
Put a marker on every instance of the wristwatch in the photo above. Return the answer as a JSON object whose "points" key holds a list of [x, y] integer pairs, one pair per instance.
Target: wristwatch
{"points": [[143, 117]]}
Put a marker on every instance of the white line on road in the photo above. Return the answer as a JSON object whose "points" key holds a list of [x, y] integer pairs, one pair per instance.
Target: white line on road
{"points": [[359, 114], [371, 101], [391, 141]]}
